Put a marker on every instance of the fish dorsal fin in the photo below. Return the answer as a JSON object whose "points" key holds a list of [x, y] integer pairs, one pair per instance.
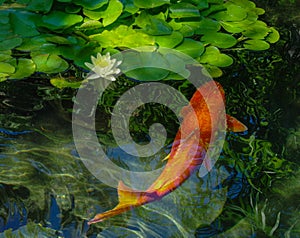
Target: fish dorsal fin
{"points": [[235, 125]]}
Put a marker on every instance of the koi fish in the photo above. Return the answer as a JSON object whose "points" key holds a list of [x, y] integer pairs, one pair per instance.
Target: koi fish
{"points": [[188, 150]]}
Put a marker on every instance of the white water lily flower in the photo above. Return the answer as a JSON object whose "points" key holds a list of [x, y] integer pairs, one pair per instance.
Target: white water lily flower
{"points": [[104, 67]]}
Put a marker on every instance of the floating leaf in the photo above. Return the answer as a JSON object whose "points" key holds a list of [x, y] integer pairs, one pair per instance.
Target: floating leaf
{"points": [[181, 10], [41, 6], [273, 35], [169, 41], [213, 56], [233, 13], [213, 71], [58, 40], [207, 25], [5, 55], [60, 20], [10, 43], [233, 27], [256, 45], [150, 3], [90, 25], [145, 66], [130, 7], [218, 39], [6, 68], [25, 68], [153, 25], [257, 30], [112, 12], [65, 83], [48, 63], [91, 5], [123, 36], [23, 23], [191, 47]]}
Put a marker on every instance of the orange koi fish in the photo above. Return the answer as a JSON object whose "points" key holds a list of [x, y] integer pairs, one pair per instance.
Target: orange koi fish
{"points": [[186, 155]]}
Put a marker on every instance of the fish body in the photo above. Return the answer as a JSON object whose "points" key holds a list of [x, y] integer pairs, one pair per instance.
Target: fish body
{"points": [[201, 119]]}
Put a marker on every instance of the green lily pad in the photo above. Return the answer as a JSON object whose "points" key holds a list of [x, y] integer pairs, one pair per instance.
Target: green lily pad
{"points": [[3, 77], [41, 6], [90, 5], [60, 20], [58, 40], [6, 68], [4, 19], [187, 30], [233, 13], [64, 83], [153, 24], [213, 56], [246, 4], [257, 30], [169, 41], [112, 12], [182, 10], [256, 45], [147, 66], [5, 55], [48, 63], [23, 23], [232, 27], [90, 25], [191, 47], [218, 39], [25, 68], [207, 25], [10, 43], [273, 35], [130, 7], [213, 71], [150, 3], [123, 36]]}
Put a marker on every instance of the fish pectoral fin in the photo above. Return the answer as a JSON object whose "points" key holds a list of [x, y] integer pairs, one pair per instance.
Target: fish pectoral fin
{"points": [[234, 124]]}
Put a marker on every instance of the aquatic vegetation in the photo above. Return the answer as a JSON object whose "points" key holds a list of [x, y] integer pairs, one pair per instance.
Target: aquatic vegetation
{"points": [[53, 36]]}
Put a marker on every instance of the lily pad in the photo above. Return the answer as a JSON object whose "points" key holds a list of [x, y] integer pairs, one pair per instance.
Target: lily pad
{"points": [[90, 25], [207, 25], [182, 10], [6, 68], [169, 41], [256, 45], [41, 6], [213, 56], [48, 63], [123, 37], [10, 43], [91, 5], [5, 55], [23, 23], [257, 30], [153, 24], [233, 13], [191, 47], [150, 3], [218, 39], [273, 35], [213, 71], [112, 12], [25, 68], [60, 20], [64, 83], [145, 66]]}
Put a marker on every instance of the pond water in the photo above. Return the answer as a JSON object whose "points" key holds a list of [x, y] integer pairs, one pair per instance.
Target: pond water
{"points": [[253, 191]]}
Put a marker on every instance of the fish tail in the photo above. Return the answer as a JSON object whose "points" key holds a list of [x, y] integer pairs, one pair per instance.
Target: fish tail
{"points": [[128, 199]]}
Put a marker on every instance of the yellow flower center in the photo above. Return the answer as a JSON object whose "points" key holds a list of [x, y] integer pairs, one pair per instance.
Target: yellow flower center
{"points": [[102, 63]]}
